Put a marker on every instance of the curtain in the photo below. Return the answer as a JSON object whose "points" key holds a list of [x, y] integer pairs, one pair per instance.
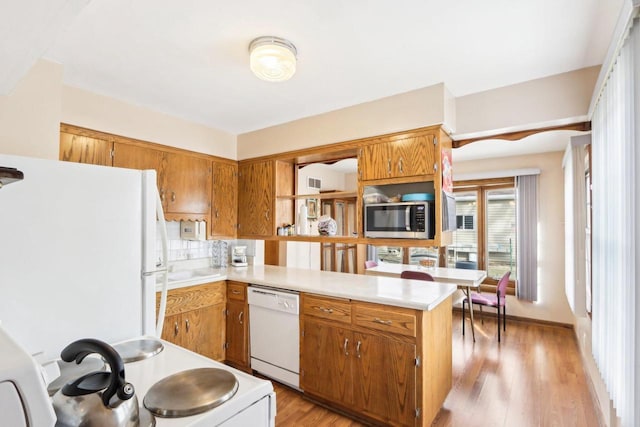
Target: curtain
{"points": [[616, 251], [574, 226], [527, 238]]}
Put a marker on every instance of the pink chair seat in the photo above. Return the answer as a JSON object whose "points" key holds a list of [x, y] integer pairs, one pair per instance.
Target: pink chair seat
{"points": [[490, 300]]}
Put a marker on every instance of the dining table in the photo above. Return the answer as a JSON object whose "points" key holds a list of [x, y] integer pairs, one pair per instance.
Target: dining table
{"points": [[465, 279]]}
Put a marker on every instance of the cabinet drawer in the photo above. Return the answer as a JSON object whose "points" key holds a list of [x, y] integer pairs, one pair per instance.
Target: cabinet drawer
{"points": [[384, 318], [193, 297], [327, 308], [236, 291]]}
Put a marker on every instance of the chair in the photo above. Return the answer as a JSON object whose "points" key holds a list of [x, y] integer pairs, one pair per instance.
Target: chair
{"points": [[370, 264], [416, 275], [489, 300], [467, 265]]}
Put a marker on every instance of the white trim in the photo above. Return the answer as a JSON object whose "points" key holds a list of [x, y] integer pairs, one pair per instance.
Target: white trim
{"points": [[495, 174], [630, 9]]}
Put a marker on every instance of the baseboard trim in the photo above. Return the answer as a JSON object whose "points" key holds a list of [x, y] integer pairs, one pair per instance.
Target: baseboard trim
{"points": [[488, 315]]}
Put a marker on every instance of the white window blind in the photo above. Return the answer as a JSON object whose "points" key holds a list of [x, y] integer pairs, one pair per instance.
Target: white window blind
{"points": [[527, 240], [616, 234]]}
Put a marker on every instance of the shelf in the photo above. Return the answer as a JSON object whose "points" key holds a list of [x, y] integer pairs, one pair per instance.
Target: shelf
{"points": [[332, 195]]}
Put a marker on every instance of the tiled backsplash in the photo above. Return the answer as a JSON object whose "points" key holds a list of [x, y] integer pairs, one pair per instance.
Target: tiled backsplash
{"points": [[218, 251], [180, 250]]}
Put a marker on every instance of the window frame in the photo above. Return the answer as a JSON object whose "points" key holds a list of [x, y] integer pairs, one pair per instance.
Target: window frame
{"points": [[480, 187]]}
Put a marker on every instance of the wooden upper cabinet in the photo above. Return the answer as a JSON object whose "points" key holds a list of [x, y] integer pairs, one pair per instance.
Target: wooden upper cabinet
{"points": [[85, 149], [138, 157], [184, 181], [255, 199], [188, 184], [399, 158], [224, 200]]}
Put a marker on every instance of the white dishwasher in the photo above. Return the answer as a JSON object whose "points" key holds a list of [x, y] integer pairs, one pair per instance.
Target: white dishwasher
{"points": [[274, 331]]}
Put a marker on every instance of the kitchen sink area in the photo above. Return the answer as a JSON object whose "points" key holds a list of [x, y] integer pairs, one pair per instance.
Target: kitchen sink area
{"points": [[182, 278]]}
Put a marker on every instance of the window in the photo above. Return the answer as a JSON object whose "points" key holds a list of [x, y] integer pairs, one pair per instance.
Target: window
{"points": [[465, 222], [485, 238]]}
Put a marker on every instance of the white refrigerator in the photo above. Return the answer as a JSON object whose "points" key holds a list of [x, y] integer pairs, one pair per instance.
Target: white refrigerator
{"points": [[78, 253]]}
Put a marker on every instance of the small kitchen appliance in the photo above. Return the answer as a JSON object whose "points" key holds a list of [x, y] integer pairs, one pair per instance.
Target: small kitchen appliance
{"points": [[401, 220], [239, 256]]}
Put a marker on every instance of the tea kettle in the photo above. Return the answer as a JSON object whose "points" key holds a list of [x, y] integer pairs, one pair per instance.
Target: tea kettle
{"points": [[98, 398]]}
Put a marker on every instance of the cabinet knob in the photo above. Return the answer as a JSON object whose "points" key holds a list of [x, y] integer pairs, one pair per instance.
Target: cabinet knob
{"points": [[400, 165], [240, 317], [382, 322], [173, 196], [162, 194], [186, 323], [345, 346], [389, 166], [358, 349], [176, 329]]}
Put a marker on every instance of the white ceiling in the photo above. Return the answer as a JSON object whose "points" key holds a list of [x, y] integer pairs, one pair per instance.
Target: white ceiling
{"points": [[189, 58]]}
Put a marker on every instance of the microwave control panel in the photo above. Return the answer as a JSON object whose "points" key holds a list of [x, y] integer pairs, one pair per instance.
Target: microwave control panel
{"points": [[420, 218]]}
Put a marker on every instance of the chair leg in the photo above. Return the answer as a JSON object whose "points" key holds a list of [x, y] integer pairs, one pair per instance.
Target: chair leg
{"points": [[504, 317], [481, 315], [463, 317], [498, 315]]}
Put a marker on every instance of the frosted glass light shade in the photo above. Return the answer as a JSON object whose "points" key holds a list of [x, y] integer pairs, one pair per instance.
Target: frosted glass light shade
{"points": [[272, 59]]}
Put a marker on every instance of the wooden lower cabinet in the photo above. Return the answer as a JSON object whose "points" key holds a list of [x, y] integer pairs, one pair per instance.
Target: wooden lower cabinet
{"points": [[327, 368], [237, 326], [380, 392], [387, 364], [195, 318]]}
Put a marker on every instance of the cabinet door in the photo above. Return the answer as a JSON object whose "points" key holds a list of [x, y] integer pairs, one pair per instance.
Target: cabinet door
{"points": [[205, 332], [326, 358], [172, 330], [224, 200], [413, 156], [237, 333], [255, 199], [376, 161], [137, 157], [85, 149], [188, 184], [390, 397]]}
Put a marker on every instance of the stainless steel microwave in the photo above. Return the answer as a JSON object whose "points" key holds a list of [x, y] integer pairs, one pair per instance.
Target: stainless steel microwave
{"points": [[403, 220]]}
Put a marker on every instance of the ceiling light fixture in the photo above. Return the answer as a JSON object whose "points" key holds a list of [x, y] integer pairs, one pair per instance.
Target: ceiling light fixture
{"points": [[272, 58]]}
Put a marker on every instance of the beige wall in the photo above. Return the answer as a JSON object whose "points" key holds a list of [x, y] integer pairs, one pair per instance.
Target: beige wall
{"points": [[30, 114], [87, 109], [552, 304], [551, 99], [418, 108], [30, 119]]}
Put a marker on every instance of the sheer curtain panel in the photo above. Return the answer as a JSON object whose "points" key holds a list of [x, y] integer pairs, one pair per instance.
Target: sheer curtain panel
{"points": [[574, 224], [527, 240], [616, 251]]}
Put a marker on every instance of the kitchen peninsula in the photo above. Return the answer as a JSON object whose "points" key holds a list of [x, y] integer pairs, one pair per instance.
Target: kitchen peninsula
{"points": [[378, 348]]}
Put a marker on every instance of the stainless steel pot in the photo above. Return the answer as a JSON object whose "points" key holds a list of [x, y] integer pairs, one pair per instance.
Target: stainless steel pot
{"points": [[99, 398]]}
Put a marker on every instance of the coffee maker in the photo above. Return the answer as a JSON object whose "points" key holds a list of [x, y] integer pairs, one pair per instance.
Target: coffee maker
{"points": [[239, 256]]}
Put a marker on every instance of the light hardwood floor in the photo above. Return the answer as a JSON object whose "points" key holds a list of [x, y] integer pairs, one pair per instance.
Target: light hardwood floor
{"points": [[534, 377]]}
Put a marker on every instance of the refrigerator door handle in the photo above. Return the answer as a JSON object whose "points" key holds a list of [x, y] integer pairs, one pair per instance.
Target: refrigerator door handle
{"points": [[163, 265]]}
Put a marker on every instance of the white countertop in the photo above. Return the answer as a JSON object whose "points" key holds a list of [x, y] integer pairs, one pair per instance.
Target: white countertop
{"points": [[459, 276], [414, 294]]}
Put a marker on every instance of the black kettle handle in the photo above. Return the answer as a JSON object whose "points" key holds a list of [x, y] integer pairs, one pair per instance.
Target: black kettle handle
{"points": [[80, 349]]}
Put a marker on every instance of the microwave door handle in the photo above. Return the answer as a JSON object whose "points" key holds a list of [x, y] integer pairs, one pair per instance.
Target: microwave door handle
{"points": [[407, 218]]}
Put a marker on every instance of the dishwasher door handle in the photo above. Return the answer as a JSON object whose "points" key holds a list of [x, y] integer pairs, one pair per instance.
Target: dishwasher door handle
{"points": [[262, 292]]}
